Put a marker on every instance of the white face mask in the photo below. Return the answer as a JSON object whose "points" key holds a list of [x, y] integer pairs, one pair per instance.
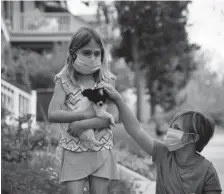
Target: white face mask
{"points": [[173, 139], [84, 65]]}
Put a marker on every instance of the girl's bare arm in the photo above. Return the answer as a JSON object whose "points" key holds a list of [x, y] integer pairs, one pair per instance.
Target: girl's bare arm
{"points": [[113, 109], [56, 115]]}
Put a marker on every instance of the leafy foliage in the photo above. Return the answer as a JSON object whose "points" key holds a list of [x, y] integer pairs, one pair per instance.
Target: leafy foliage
{"points": [[123, 73], [30, 163], [28, 69], [18, 142], [154, 37], [21, 179], [204, 93]]}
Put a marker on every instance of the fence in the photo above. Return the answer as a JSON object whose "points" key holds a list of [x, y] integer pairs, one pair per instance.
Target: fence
{"points": [[18, 101]]}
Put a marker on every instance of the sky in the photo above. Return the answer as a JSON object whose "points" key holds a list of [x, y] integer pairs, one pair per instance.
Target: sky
{"points": [[207, 17], [207, 30]]}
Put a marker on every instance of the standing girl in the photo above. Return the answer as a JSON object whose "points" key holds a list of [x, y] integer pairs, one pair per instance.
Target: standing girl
{"points": [[85, 67]]}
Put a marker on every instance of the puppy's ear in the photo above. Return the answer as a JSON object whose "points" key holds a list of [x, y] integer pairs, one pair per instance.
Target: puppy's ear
{"points": [[105, 93], [100, 92], [87, 92]]}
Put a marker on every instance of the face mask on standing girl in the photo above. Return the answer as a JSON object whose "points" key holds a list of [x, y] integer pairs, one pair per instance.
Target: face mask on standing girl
{"points": [[87, 65], [87, 56]]}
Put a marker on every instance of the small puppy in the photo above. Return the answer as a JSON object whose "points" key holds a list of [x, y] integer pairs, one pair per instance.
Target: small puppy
{"points": [[98, 98]]}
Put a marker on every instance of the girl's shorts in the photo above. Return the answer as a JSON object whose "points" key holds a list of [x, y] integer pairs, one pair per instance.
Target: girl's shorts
{"points": [[79, 165]]}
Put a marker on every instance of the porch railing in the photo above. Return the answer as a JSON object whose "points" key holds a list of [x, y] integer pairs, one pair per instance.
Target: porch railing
{"points": [[43, 23], [18, 101]]}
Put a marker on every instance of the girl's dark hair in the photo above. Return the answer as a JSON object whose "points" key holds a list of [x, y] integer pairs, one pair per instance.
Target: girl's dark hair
{"points": [[196, 122]]}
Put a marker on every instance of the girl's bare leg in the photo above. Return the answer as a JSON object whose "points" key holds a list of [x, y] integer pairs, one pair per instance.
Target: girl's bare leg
{"points": [[75, 187], [98, 185]]}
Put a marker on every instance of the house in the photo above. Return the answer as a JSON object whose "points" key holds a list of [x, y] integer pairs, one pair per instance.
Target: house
{"points": [[35, 25], [38, 24]]}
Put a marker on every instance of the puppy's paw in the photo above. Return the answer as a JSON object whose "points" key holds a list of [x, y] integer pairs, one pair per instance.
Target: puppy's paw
{"points": [[112, 122], [86, 135], [110, 126], [89, 140]]}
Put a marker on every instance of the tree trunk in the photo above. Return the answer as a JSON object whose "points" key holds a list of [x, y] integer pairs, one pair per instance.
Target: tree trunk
{"points": [[152, 107], [138, 79], [139, 93]]}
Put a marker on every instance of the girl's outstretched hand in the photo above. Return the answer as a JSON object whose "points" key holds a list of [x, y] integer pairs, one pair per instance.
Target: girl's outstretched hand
{"points": [[110, 90]]}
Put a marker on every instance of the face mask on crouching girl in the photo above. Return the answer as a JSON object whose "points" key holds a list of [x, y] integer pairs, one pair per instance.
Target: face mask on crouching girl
{"points": [[176, 139]]}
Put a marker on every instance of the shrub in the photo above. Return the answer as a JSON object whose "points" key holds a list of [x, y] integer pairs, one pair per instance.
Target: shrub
{"points": [[30, 165]]}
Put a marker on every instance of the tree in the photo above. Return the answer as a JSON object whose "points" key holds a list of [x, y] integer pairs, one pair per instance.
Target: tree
{"points": [[106, 24], [7, 70], [154, 41], [205, 93], [28, 69], [123, 73], [14, 69]]}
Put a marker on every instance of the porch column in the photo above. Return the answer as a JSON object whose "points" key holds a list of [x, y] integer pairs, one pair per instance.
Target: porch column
{"points": [[16, 16]]}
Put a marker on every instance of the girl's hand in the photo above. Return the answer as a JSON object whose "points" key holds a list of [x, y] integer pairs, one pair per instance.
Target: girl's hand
{"points": [[74, 129], [110, 90]]}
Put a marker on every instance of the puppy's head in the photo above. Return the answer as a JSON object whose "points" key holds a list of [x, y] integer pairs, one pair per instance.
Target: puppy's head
{"points": [[98, 96]]}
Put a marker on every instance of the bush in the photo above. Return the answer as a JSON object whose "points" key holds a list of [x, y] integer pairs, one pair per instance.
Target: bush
{"points": [[19, 143], [20, 178], [30, 165], [41, 178]]}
